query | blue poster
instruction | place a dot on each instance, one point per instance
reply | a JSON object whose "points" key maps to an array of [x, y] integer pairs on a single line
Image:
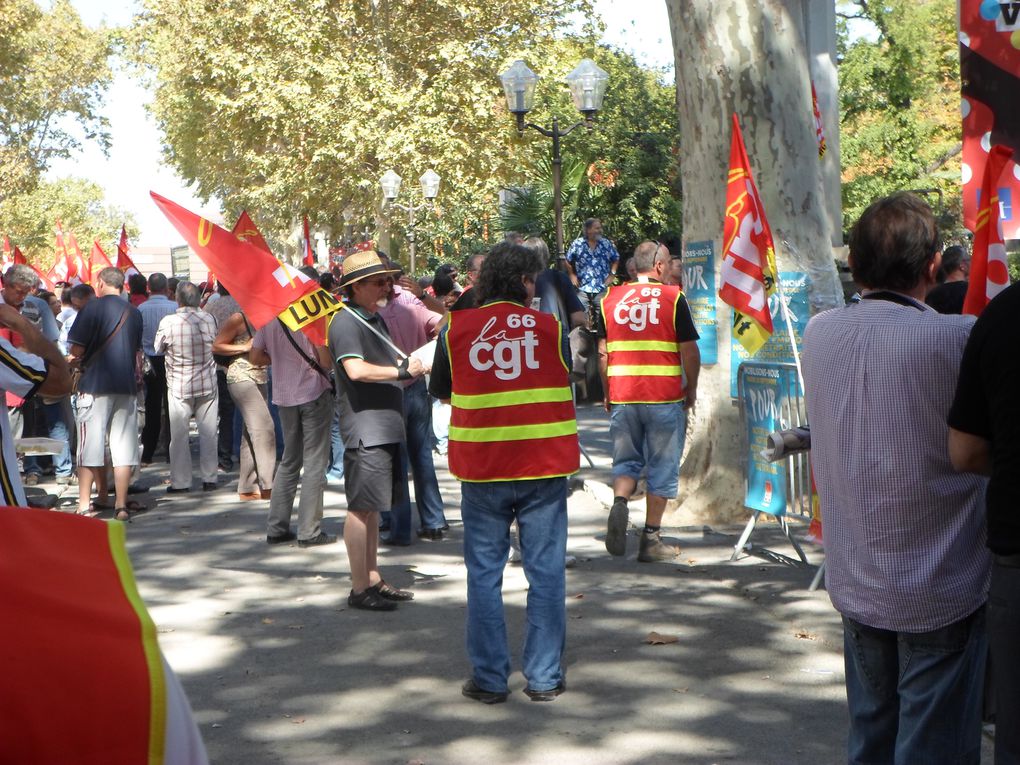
{"points": [[699, 288], [777, 349], [764, 394]]}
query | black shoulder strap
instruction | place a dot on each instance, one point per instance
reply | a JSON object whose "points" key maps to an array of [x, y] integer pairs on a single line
{"points": [[311, 362], [106, 342]]}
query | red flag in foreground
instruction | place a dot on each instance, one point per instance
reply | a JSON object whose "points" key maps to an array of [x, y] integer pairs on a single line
{"points": [[748, 274], [264, 286], [124, 262], [246, 230], [309, 255], [988, 272]]}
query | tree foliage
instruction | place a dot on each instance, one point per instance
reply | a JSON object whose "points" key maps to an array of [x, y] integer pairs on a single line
{"points": [[285, 108], [899, 101], [53, 73]]}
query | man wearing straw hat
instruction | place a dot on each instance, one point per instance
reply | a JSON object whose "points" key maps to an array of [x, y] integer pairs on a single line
{"points": [[371, 422]]}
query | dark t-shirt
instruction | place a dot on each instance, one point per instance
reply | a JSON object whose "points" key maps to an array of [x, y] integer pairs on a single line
{"points": [[987, 405], [109, 371], [468, 299], [948, 297], [370, 413], [686, 332]]}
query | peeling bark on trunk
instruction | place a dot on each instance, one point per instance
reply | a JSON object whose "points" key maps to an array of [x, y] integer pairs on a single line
{"points": [[748, 58]]}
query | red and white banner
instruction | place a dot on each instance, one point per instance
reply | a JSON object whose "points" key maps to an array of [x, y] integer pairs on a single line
{"points": [[989, 273]]}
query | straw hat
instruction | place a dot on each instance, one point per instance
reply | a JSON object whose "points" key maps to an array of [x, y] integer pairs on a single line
{"points": [[358, 265]]}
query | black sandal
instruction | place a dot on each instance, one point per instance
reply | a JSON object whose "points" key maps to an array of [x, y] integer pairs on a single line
{"points": [[370, 600]]}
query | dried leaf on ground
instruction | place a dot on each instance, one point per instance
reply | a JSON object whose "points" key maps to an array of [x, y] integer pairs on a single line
{"points": [[267, 620], [578, 596], [804, 635], [654, 638]]}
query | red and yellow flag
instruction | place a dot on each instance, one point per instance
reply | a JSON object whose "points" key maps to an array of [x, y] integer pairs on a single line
{"points": [[246, 230], [819, 125], [99, 258], [8, 260], [79, 268], [748, 275], [309, 255], [989, 274], [61, 270], [264, 286], [124, 262]]}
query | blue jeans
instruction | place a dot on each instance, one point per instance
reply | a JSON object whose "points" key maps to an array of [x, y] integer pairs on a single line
{"points": [[915, 697], [487, 510], [416, 453], [335, 468], [649, 437], [56, 427]]}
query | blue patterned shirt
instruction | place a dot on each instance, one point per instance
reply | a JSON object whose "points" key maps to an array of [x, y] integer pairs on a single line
{"points": [[592, 266]]}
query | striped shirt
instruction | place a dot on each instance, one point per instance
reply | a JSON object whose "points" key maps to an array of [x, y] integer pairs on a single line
{"points": [[904, 532], [187, 337], [20, 373]]}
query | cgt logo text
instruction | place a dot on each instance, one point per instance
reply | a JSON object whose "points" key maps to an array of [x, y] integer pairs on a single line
{"points": [[633, 312], [508, 355]]}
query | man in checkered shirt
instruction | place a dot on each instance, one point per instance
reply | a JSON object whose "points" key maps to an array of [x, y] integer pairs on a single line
{"points": [[906, 563], [186, 336]]}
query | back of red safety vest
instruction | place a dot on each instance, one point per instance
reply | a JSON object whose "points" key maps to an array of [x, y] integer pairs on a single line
{"points": [[644, 355], [513, 412]]}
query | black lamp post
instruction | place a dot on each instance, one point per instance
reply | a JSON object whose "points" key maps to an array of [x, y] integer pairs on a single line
{"points": [[587, 85]]}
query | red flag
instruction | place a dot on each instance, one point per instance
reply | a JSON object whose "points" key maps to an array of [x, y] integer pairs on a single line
{"points": [[98, 257], [61, 270], [309, 256], [819, 125], [246, 230], [79, 264], [989, 274], [19, 258], [264, 286], [48, 282], [124, 262], [748, 274]]}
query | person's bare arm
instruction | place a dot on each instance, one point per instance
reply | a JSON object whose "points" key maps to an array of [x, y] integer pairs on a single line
{"points": [[224, 343], [690, 357], [970, 453], [604, 372], [433, 304], [360, 370], [258, 357], [322, 356], [58, 378]]}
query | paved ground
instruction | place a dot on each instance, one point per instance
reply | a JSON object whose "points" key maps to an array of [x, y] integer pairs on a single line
{"points": [[279, 670]]}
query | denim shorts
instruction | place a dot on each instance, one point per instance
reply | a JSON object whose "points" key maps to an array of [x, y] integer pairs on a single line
{"points": [[650, 438]]}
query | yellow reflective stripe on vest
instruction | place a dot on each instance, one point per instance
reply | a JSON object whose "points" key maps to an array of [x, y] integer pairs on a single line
{"points": [[513, 432], [646, 370], [642, 345], [511, 398]]}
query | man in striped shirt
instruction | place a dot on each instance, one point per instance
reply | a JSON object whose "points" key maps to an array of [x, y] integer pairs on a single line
{"points": [[906, 564]]}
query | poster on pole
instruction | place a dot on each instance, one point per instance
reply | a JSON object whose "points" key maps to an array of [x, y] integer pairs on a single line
{"points": [[699, 289], [764, 392], [778, 349]]}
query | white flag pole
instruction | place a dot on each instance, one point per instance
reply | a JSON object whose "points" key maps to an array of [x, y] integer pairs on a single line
{"points": [[789, 322]]}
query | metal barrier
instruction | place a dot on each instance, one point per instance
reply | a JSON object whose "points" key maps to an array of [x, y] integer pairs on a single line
{"points": [[789, 410]]}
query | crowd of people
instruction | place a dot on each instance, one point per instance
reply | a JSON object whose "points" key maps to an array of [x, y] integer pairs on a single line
{"points": [[909, 408]]}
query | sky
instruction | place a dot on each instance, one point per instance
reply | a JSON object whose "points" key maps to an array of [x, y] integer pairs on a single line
{"points": [[135, 166]]}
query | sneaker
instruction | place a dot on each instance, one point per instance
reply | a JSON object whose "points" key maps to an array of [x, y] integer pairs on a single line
{"points": [[548, 695], [515, 555], [31, 479], [279, 539], [654, 549], [182, 490], [569, 561], [472, 691], [370, 600], [430, 535], [322, 538], [67, 480], [616, 529], [209, 485]]}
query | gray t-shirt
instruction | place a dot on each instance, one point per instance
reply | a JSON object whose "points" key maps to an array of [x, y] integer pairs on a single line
{"points": [[370, 413]]}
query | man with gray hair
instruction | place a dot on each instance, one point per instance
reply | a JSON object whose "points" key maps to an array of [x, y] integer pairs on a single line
{"points": [[649, 359], [105, 343], [186, 337]]}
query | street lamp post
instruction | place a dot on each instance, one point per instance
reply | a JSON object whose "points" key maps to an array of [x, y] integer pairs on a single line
{"points": [[390, 183], [587, 85]]}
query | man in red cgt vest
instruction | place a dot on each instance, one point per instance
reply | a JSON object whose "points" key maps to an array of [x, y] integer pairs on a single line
{"points": [[513, 441], [649, 359]]}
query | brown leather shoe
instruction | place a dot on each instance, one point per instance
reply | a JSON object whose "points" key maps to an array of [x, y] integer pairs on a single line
{"points": [[248, 496], [266, 494]]}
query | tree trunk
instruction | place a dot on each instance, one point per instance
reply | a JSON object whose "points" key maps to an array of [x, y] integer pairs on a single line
{"points": [[748, 58]]}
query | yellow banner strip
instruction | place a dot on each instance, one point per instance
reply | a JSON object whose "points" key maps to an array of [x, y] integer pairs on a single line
{"points": [[309, 309]]}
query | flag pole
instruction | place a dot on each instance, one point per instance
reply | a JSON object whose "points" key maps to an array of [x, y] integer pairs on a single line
{"points": [[786, 316]]}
